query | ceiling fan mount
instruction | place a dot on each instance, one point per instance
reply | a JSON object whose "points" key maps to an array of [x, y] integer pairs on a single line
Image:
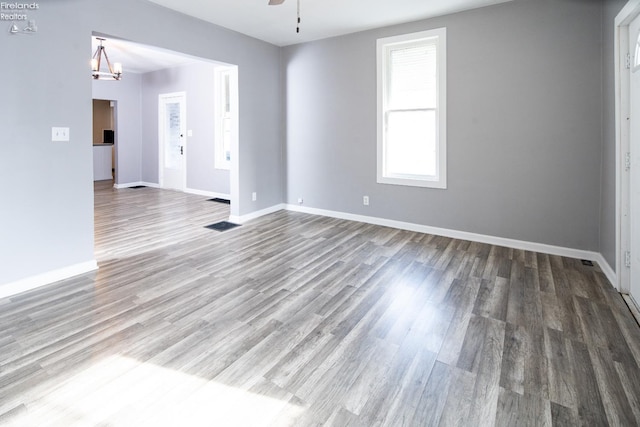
{"points": [[277, 2]]}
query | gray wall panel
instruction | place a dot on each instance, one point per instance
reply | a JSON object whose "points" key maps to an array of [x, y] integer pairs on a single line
{"points": [[524, 125], [197, 81], [127, 94], [47, 190], [530, 125]]}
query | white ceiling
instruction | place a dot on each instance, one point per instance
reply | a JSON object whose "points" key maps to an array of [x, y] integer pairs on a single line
{"points": [[277, 24], [320, 18], [139, 58]]}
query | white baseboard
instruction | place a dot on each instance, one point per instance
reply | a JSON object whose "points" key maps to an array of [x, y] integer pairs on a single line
{"points": [[150, 184], [186, 190], [134, 184], [257, 214], [455, 234], [607, 270], [633, 306], [463, 235], [44, 279], [207, 193]]}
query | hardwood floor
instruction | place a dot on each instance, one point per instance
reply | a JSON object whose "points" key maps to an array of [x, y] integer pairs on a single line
{"points": [[300, 320]]}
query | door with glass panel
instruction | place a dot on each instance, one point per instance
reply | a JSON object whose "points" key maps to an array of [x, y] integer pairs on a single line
{"points": [[634, 170], [172, 147]]}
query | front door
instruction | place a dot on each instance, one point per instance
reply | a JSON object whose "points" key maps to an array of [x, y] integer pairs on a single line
{"points": [[172, 119], [634, 170]]}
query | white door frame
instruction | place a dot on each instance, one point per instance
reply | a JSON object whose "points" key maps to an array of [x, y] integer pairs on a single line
{"points": [[161, 141], [622, 107], [234, 172]]}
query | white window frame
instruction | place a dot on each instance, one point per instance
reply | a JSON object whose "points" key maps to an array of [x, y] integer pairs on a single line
{"points": [[220, 162], [439, 180]]}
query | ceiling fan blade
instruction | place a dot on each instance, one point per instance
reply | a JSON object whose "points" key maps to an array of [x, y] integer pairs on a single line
{"points": [[275, 2]]}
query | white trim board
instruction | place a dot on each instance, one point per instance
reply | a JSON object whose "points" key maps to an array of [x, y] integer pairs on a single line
{"points": [[48, 278], [257, 214], [606, 269], [464, 235], [186, 190], [133, 184], [207, 193], [627, 13], [622, 113], [633, 306], [44, 279], [455, 234]]}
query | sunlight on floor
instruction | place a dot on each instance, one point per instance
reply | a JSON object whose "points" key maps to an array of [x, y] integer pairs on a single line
{"points": [[119, 391]]}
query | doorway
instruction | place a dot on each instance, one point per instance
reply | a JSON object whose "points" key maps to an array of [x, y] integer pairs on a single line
{"points": [[633, 257], [149, 72], [627, 81], [172, 142], [104, 138]]}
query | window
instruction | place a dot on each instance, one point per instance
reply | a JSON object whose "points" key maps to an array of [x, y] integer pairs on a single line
{"points": [[224, 119], [636, 56], [412, 109]]}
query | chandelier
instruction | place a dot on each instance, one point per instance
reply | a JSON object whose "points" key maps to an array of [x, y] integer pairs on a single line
{"points": [[115, 71]]}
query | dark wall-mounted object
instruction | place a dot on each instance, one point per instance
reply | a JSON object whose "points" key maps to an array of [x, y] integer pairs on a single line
{"points": [[108, 136]]}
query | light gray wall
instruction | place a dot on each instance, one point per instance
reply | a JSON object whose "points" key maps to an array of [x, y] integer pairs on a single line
{"points": [[127, 94], [198, 83], [525, 139], [260, 117], [608, 184], [46, 220], [46, 188], [524, 124]]}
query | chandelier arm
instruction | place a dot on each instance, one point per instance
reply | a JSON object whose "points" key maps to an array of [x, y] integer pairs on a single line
{"points": [[97, 60], [108, 62], [95, 63], [100, 57]]}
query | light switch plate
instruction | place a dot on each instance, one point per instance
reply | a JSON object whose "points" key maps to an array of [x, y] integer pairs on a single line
{"points": [[59, 134]]}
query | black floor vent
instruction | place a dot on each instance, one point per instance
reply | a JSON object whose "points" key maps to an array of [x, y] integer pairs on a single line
{"points": [[219, 200], [222, 226]]}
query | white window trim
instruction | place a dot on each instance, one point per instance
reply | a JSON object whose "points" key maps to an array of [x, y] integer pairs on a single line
{"points": [[440, 180], [219, 159]]}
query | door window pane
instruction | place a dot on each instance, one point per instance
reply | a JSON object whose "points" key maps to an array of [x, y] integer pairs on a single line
{"points": [[172, 149]]}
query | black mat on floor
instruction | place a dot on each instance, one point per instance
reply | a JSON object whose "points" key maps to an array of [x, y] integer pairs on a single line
{"points": [[219, 200], [222, 226], [139, 186]]}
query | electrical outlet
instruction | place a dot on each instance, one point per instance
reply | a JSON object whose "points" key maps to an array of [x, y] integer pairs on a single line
{"points": [[254, 196], [365, 200], [300, 201], [59, 134]]}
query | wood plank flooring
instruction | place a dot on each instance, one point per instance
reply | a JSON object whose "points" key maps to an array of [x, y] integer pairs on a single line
{"points": [[301, 320]]}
